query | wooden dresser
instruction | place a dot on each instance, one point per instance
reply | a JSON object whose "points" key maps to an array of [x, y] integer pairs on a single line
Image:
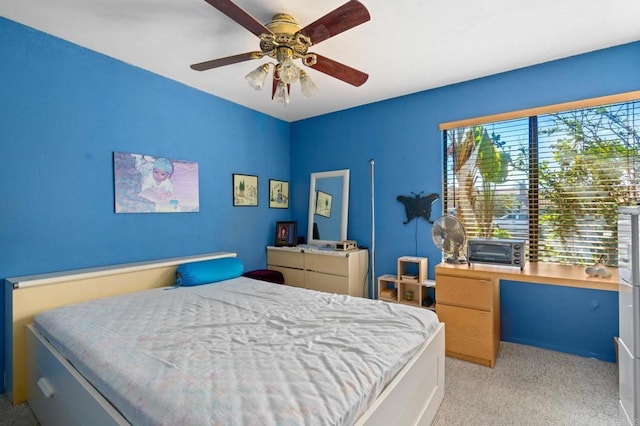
{"points": [[328, 271], [470, 308]]}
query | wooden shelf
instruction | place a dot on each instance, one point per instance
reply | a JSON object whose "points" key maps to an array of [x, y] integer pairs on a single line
{"points": [[408, 291]]}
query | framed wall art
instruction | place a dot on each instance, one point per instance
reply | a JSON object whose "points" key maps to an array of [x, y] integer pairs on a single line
{"points": [[286, 234], [148, 184], [323, 204], [278, 194], [245, 190]]}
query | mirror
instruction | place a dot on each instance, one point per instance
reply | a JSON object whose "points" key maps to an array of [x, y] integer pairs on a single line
{"points": [[328, 207]]}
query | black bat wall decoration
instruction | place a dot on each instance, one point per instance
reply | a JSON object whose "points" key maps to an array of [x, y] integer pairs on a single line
{"points": [[418, 206]]}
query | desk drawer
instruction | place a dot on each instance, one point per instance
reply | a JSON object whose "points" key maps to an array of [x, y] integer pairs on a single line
{"points": [[468, 331], [475, 293]]}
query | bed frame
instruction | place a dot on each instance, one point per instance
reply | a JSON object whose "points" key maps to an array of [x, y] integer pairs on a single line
{"points": [[59, 395]]}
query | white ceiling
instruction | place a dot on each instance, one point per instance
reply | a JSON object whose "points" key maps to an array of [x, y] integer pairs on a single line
{"points": [[406, 47]]}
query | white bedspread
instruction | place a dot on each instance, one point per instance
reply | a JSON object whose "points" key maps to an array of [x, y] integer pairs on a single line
{"points": [[239, 352]]}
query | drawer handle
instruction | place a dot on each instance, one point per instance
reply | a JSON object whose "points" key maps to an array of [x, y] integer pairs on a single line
{"points": [[45, 387]]}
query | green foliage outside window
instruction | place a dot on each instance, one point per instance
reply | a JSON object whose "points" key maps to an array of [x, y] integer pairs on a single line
{"points": [[569, 172]]}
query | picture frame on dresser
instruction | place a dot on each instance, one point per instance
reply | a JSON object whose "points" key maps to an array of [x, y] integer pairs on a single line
{"points": [[286, 233]]}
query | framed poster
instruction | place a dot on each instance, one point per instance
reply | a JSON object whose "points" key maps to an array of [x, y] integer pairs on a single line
{"points": [[286, 234], [278, 194], [148, 184], [323, 204], [245, 190]]}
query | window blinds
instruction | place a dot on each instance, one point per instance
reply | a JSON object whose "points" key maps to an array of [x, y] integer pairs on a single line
{"points": [[555, 180]]}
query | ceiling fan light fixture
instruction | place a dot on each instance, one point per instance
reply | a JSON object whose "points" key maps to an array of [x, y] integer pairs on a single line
{"points": [[307, 86], [282, 93], [289, 72], [285, 41], [257, 77]]}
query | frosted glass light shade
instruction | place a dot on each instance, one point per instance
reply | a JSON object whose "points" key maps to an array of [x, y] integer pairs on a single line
{"points": [[282, 94], [256, 77], [307, 86], [289, 72]]}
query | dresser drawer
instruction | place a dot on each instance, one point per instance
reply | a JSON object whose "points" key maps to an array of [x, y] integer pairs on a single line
{"points": [[328, 264], [476, 293], [468, 331], [286, 258], [326, 283], [293, 277], [332, 272]]}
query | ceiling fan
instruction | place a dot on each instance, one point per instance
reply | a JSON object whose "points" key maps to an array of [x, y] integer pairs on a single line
{"points": [[284, 40]]}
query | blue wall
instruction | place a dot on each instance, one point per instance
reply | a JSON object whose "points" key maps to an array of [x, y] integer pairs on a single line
{"points": [[579, 321], [402, 136], [65, 109]]}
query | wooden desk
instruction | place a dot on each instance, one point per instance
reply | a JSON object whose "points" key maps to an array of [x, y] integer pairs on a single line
{"points": [[468, 301], [540, 273]]}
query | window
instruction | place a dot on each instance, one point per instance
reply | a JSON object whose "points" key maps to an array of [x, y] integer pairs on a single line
{"points": [[555, 179]]}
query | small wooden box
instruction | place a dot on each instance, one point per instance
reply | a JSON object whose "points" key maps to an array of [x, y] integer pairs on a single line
{"points": [[389, 293]]}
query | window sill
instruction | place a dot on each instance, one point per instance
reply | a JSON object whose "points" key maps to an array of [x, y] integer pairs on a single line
{"points": [[539, 273]]}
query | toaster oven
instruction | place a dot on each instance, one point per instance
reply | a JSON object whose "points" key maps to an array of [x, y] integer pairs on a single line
{"points": [[496, 251]]}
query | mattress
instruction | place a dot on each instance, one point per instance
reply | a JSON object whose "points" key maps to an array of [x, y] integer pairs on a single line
{"points": [[237, 352]]}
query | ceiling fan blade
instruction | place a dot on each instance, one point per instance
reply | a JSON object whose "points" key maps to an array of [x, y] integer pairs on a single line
{"points": [[215, 63], [347, 16], [234, 12], [339, 71]]}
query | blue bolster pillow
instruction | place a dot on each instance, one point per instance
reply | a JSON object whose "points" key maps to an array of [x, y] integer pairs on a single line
{"points": [[208, 271]]}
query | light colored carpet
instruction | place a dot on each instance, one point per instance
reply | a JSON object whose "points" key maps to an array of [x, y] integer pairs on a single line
{"points": [[528, 386], [15, 415]]}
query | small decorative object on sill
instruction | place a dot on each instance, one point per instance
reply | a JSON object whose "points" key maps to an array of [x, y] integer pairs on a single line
{"points": [[598, 269]]}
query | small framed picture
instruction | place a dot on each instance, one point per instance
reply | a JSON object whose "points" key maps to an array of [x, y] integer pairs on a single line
{"points": [[278, 194], [286, 234], [245, 190], [323, 204]]}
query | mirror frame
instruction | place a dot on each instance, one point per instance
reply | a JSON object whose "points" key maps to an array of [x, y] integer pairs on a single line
{"points": [[312, 203]]}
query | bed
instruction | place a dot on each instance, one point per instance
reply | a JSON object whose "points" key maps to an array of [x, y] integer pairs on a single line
{"points": [[236, 351]]}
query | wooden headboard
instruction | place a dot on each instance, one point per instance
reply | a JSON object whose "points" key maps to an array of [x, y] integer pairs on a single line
{"points": [[26, 296]]}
